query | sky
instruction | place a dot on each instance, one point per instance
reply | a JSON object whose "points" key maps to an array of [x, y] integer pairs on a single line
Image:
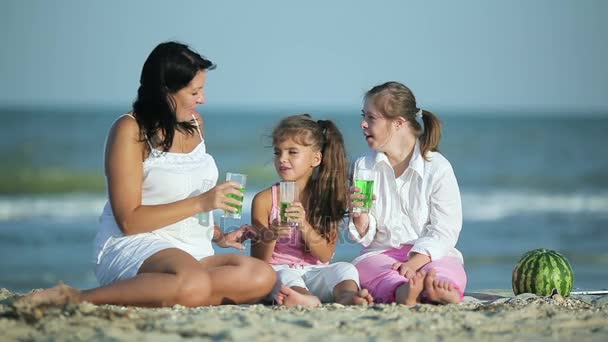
{"points": [[479, 54]]}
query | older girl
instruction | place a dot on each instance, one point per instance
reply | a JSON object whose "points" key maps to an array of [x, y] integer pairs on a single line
{"points": [[409, 236]]}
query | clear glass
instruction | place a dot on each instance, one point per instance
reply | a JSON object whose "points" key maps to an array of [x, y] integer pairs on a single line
{"points": [[242, 180], [203, 218], [364, 180], [289, 195]]}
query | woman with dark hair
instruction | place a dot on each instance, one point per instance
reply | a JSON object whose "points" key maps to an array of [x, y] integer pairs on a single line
{"points": [[150, 249]]}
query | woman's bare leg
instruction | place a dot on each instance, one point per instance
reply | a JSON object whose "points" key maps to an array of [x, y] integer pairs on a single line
{"points": [[238, 279], [168, 277]]}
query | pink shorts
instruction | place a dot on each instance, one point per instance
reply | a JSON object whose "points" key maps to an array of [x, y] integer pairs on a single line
{"points": [[376, 275]]}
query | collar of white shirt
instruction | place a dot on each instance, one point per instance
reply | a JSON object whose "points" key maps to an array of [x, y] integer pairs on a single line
{"points": [[416, 163]]}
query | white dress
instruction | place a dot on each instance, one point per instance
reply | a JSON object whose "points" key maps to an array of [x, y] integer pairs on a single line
{"points": [[167, 177]]}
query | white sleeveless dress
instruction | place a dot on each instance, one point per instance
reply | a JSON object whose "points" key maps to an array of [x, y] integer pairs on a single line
{"points": [[167, 177]]}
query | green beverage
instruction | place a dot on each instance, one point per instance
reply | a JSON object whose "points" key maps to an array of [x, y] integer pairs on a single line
{"points": [[239, 207], [241, 179], [289, 195], [367, 190], [284, 206]]}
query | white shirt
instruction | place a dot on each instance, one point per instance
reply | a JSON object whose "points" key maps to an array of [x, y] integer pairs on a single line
{"points": [[421, 207]]}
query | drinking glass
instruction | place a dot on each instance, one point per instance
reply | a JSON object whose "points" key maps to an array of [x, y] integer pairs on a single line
{"points": [[289, 195], [364, 180], [242, 180], [203, 218]]}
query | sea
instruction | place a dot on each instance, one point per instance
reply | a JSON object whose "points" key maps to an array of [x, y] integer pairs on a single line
{"points": [[528, 179]]}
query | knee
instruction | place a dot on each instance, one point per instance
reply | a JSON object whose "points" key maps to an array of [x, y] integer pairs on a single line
{"points": [[193, 289], [263, 275], [346, 270], [260, 275], [345, 266]]}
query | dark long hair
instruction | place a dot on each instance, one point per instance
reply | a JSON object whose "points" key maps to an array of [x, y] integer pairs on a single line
{"points": [[393, 100], [327, 190], [169, 67]]}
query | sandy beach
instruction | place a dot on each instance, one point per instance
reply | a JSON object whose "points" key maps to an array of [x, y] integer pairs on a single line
{"points": [[486, 315]]}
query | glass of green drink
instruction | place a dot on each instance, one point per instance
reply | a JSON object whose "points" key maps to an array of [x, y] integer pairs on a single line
{"points": [[364, 180], [242, 180], [289, 194]]}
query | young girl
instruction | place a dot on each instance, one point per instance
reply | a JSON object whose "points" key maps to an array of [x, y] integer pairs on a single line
{"points": [[410, 233], [311, 154]]}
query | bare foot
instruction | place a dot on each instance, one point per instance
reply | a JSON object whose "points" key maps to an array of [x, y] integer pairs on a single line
{"points": [[440, 291], [409, 293], [290, 298], [361, 297], [55, 296]]}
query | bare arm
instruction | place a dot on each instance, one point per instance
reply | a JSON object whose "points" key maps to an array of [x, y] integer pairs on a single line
{"points": [[124, 157], [317, 245], [263, 246]]}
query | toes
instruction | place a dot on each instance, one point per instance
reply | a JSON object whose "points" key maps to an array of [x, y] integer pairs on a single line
{"points": [[285, 290]]}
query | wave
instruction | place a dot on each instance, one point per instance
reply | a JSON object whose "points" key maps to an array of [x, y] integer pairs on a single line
{"points": [[477, 205], [496, 205]]}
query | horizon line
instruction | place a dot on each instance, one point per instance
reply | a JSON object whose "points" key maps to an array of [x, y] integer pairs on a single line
{"points": [[271, 109]]}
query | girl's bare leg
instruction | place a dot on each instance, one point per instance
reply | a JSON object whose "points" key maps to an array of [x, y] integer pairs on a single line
{"points": [[238, 279], [168, 277], [347, 292]]}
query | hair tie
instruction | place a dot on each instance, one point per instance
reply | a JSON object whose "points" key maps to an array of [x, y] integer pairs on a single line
{"points": [[419, 113], [322, 123]]}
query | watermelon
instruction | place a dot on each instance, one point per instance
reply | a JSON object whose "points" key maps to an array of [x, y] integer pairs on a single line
{"points": [[541, 271]]}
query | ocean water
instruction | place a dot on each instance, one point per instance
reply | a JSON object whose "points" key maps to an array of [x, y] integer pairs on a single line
{"points": [[528, 180]]}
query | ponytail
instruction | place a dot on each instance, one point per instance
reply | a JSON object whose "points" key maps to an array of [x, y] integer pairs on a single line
{"points": [[430, 138], [327, 200]]}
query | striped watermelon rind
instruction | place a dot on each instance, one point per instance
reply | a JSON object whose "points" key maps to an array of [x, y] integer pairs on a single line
{"points": [[541, 271]]}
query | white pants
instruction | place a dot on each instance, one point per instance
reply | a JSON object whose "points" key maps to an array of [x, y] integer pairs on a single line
{"points": [[320, 280]]}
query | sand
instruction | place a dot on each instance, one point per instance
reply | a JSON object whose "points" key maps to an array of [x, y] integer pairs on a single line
{"points": [[491, 315]]}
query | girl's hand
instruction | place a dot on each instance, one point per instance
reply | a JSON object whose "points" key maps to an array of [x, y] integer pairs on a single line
{"points": [[233, 239], [361, 220], [296, 214], [404, 269], [276, 231], [356, 201], [217, 197]]}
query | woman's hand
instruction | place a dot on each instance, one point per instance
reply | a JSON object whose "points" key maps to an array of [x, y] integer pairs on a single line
{"points": [[217, 197], [233, 239]]}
